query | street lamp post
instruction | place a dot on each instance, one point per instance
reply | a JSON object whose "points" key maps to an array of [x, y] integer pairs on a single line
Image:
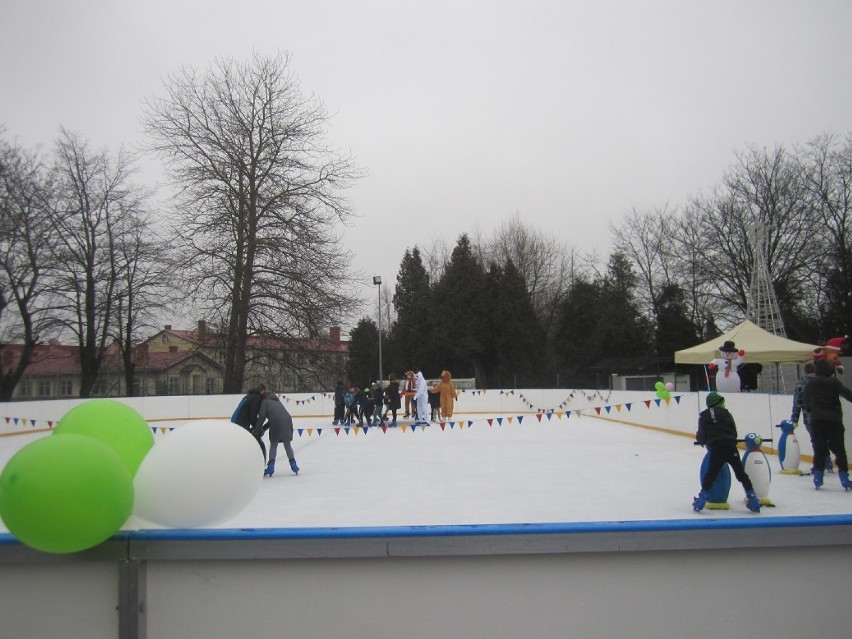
{"points": [[377, 281]]}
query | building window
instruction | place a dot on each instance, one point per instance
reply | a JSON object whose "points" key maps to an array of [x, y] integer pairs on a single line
{"points": [[66, 388], [99, 389], [173, 385], [211, 385], [45, 388], [25, 389]]}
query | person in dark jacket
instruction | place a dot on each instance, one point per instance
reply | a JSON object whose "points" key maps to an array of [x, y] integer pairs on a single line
{"points": [[821, 399], [253, 399], [392, 397], [339, 403], [365, 406], [278, 421], [377, 398], [718, 432]]}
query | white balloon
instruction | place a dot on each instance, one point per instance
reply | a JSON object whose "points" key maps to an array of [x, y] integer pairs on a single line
{"points": [[201, 473]]}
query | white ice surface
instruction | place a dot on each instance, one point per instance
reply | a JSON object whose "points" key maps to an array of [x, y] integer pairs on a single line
{"points": [[580, 469]]}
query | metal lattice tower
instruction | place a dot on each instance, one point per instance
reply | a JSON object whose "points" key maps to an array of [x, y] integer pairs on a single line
{"points": [[763, 306]]}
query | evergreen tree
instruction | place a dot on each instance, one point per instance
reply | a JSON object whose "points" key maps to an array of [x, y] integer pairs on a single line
{"points": [[674, 331], [461, 315], [363, 364], [410, 336], [517, 356]]}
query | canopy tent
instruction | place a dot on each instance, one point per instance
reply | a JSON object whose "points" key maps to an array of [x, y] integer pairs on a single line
{"points": [[760, 346]]}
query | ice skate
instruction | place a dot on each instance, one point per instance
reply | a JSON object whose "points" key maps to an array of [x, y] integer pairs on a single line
{"points": [[699, 502], [844, 480], [752, 502], [293, 466], [270, 469], [817, 478]]}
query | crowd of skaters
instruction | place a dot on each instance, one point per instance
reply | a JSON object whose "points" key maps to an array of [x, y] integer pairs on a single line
{"points": [[380, 403]]}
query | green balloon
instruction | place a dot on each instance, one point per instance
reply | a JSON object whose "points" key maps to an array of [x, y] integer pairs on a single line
{"points": [[65, 494], [115, 424]]}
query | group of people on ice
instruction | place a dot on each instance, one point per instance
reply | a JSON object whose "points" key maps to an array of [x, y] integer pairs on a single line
{"points": [[378, 403]]}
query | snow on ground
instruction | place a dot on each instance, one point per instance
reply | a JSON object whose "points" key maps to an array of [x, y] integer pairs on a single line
{"points": [[569, 470]]}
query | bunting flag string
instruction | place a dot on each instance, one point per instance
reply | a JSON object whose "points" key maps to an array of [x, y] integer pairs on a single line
{"points": [[510, 419], [559, 412]]}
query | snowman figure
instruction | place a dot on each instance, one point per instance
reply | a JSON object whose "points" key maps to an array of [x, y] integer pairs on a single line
{"points": [[725, 367]]}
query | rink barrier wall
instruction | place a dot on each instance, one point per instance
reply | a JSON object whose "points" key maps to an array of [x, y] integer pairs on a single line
{"points": [[750, 576]]}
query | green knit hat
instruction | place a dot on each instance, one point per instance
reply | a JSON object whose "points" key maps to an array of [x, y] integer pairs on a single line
{"points": [[714, 399]]}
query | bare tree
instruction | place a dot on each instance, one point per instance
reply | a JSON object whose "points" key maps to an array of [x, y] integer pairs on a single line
{"points": [[826, 164], [259, 202], [143, 289], [548, 265], [644, 237], [94, 206], [27, 250]]}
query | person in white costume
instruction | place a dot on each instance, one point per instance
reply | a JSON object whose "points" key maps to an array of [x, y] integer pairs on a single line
{"points": [[421, 398]]}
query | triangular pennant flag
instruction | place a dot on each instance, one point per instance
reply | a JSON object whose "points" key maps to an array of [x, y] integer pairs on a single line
{"points": [[648, 403], [300, 430], [608, 409], [443, 425], [628, 405], [404, 427], [538, 417], [677, 399], [499, 421], [413, 427], [598, 410], [310, 432], [490, 421], [337, 430], [319, 432], [509, 418], [7, 419], [346, 430], [16, 421], [470, 423], [657, 401], [384, 428], [50, 424], [520, 419], [668, 399], [618, 408], [461, 425]]}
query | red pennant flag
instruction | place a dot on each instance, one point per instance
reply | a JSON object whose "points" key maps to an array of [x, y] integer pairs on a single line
{"points": [[443, 425], [490, 422], [598, 410], [538, 417]]}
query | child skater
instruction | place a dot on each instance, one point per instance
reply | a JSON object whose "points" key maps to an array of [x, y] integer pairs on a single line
{"points": [[718, 431]]}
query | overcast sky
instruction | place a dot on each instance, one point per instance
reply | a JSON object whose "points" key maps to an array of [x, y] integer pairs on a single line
{"points": [[465, 113]]}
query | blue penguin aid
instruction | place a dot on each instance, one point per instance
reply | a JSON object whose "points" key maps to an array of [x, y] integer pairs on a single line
{"points": [[757, 468], [717, 498], [789, 453]]}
